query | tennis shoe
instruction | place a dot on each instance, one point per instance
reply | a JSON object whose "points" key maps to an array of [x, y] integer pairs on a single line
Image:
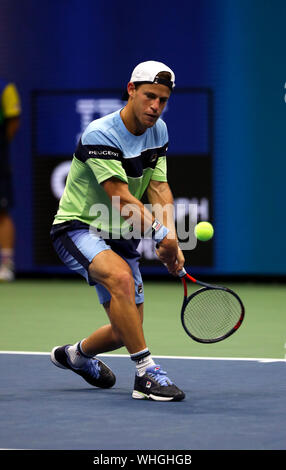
{"points": [[94, 371], [155, 385]]}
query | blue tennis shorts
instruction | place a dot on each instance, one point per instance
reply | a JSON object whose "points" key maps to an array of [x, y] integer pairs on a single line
{"points": [[77, 248]]}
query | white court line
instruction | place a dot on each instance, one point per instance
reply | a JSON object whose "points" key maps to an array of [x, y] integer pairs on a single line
{"points": [[257, 359]]}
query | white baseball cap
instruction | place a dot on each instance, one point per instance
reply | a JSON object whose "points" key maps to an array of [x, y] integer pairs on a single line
{"points": [[147, 72]]}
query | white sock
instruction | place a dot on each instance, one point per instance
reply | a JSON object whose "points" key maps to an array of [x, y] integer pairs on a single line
{"points": [[143, 360], [76, 356]]}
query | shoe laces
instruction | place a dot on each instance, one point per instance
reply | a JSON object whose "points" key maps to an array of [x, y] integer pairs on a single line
{"points": [[159, 375], [92, 367]]}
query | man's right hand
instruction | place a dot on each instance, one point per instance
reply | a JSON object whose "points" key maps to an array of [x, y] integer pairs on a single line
{"points": [[167, 253]]}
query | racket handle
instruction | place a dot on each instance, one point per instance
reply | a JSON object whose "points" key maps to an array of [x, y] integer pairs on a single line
{"points": [[182, 273]]}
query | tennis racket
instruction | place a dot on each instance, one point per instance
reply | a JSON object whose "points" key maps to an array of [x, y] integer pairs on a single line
{"points": [[212, 313]]}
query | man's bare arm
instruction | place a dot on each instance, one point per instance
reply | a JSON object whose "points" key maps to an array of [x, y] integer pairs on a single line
{"points": [[123, 199], [160, 194], [118, 191]]}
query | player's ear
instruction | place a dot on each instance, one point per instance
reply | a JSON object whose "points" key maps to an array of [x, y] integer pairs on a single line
{"points": [[131, 89]]}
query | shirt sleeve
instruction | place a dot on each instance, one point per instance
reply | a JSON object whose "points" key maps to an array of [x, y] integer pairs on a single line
{"points": [[103, 157], [160, 170], [11, 102], [105, 169]]}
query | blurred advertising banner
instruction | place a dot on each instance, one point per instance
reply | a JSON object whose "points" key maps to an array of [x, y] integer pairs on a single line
{"points": [[59, 118]]}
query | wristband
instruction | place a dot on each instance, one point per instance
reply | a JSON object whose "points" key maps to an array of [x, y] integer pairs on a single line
{"points": [[159, 231]]}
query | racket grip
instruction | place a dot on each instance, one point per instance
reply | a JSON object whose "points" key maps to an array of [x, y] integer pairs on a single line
{"points": [[182, 273]]}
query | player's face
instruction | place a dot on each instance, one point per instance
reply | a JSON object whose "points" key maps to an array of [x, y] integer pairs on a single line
{"points": [[149, 101]]}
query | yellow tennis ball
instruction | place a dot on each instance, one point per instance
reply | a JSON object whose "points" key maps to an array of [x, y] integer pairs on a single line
{"points": [[204, 231]]}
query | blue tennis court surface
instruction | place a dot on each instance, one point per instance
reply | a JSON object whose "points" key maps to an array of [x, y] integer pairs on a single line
{"points": [[230, 404]]}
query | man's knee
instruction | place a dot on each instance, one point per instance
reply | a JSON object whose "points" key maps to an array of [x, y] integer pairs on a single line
{"points": [[118, 278], [121, 282]]}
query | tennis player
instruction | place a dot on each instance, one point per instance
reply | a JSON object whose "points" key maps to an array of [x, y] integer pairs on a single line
{"points": [[118, 158]]}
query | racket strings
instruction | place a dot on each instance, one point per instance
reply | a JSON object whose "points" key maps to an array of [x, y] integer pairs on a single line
{"points": [[212, 313]]}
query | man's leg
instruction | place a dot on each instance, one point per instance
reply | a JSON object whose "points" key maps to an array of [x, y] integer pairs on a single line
{"points": [[114, 274], [105, 339], [110, 270], [7, 240], [7, 231]]}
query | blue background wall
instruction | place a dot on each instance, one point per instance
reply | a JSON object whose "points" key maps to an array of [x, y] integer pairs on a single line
{"points": [[235, 47]]}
